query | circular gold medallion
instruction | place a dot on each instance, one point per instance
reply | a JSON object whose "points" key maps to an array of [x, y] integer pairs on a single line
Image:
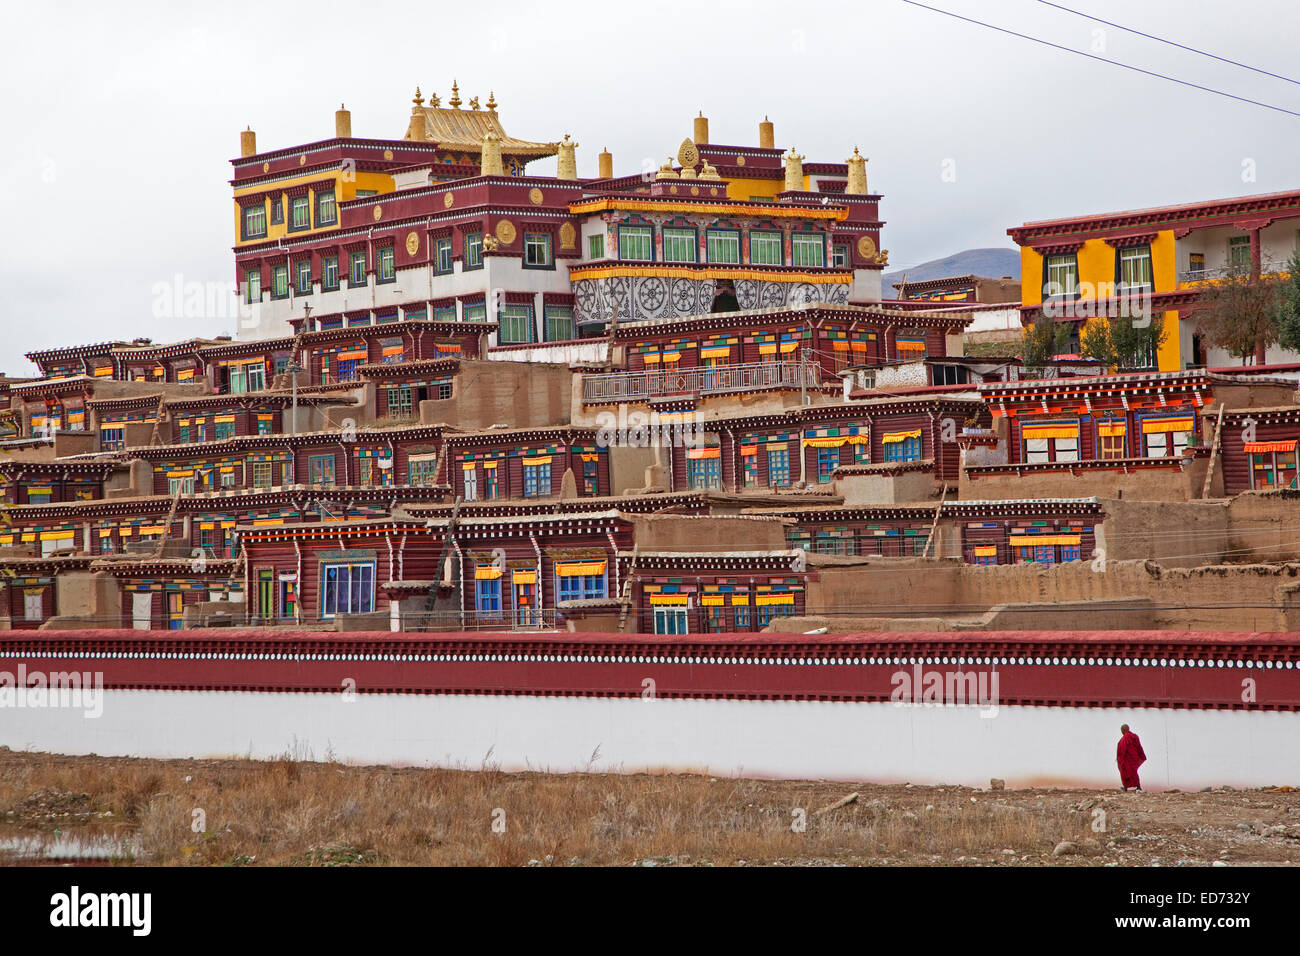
{"points": [[379, 212], [266, 167], [695, 190], [673, 190], [713, 191], [412, 243], [388, 154], [302, 160], [505, 232], [448, 199], [535, 196], [568, 236], [866, 248], [740, 160]]}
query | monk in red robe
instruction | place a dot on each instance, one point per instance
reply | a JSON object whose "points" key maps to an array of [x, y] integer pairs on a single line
{"points": [[1129, 755]]}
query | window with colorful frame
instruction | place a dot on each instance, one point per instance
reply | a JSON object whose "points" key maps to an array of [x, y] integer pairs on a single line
{"points": [[422, 470], [749, 465], [288, 596], [1272, 464], [681, 244], [399, 401], [636, 243], [1061, 274], [1133, 267], [280, 282], [487, 590], [320, 469], [765, 248], [347, 588], [491, 488], [277, 211], [1239, 253], [841, 255], [902, 445], [808, 249], [828, 459], [1112, 439], [862, 453], [469, 481], [1165, 436], [722, 246], [473, 251], [442, 255], [1049, 441], [537, 477], [1046, 547], [302, 277], [112, 438], [329, 273], [778, 465], [516, 324], [704, 468], [983, 554], [475, 312], [595, 247], [580, 580]]}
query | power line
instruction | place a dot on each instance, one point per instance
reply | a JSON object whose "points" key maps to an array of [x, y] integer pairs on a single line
{"points": [[1190, 49], [1102, 59]]}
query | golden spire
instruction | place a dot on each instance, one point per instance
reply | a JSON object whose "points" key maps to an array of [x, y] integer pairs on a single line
{"points": [[419, 100], [492, 102], [454, 102], [857, 183], [490, 163], [566, 162], [793, 171]]}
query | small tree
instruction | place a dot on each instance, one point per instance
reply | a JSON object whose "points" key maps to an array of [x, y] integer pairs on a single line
{"points": [[1239, 313], [1288, 306], [1124, 341], [1041, 341]]}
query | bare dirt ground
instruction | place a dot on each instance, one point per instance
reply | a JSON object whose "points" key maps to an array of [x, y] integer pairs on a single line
{"points": [[240, 812]]}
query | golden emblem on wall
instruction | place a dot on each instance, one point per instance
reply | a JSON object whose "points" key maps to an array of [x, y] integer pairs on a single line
{"points": [[695, 190], [266, 167], [740, 160], [505, 232], [448, 199], [379, 212], [673, 190], [302, 160], [713, 191], [535, 196], [388, 154], [412, 243], [687, 153], [866, 248], [568, 236]]}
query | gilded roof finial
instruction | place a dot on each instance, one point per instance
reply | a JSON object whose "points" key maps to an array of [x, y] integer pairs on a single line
{"points": [[473, 103], [454, 102], [434, 101], [419, 100], [492, 102]]}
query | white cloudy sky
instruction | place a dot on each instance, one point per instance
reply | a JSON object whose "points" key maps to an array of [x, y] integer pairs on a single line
{"points": [[120, 120]]}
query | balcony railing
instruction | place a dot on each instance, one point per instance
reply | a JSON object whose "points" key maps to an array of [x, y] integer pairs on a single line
{"points": [[1267, 266], [702, 380]]}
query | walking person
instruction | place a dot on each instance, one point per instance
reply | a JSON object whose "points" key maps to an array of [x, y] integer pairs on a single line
{"points": [[1129, 755]]}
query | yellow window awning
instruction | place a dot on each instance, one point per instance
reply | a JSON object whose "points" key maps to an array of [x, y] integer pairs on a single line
{"points": [[763, 600], [1112, 429], [768, 348], [717, 352], [486, 573], [1036, 540], [677, 600], [525, 576], [1054, 430], [1155, 425], [697, 453], [985, 550], [650, 358], [573, 569], [540, 460], [712, 600], [891, 437]]}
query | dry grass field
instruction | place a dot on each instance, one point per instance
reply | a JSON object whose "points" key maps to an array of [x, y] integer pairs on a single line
{"points": [[287, 812]]}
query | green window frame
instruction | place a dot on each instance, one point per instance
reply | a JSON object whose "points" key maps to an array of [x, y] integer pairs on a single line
{"points": [[422, 470], [329, 273], [442, 253], [280, 282], [841, 257], [723, 246], [765, 248], [1134, 267], [255, 221], [326, 208], [387, 265], [399, 401], [1239, 252], [253, 285], [299, 213], [559, 323], [636, 243], [1061, 273], [473, 250], [808, 250], [595, 247], [475, 311], [680, 244], [516, 324], [302, 277], [356, 269]]}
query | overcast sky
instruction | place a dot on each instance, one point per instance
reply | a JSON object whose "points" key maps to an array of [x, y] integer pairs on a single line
{"points": [[120, 120]]}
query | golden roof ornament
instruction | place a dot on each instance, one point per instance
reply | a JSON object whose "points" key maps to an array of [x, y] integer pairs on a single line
{"points": [[687, 153], [418, 100], [454, 102], [566, 162], [857, 184], [666, 171], [793, 171], [709, 171], [490, 163], [492, 102], [473, 103], [434, 101]]}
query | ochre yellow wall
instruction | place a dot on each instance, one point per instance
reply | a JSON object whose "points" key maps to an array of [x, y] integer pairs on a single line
{"points": [[743, 189], [343, 190]]}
